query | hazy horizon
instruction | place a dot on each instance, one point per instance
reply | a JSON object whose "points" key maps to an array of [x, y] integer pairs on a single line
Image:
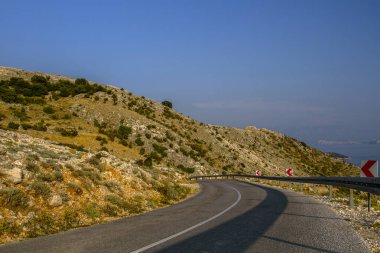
{"points": [[308, 69]]}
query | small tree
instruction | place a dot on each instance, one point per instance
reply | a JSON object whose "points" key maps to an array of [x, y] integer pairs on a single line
{"points": [[81, 81], [167, 104]]}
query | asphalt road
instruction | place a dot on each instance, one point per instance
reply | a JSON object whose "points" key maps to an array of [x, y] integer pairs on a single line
{"points": [[227, 216]]}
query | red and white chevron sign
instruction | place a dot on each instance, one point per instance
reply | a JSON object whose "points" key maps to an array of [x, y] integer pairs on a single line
{"points": [[289, 172], [369, 168], [258, 173]]}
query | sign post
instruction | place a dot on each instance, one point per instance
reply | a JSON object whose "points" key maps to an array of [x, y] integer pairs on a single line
{"points": [[289, 173], [370, 168]]}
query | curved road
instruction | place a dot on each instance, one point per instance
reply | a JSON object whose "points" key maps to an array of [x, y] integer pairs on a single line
{"points": [[227, 216]]}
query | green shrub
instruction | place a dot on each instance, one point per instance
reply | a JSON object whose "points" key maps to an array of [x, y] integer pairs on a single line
{"points": [[172, 191], [92, 211], [58, 176], [9, 227], [66, 116], [40, 79], [12, 125], [2, 116], [21, 114], [159, 149], [45, 177], [139, 142], [112, 186], [41, 224], [14, 198], [67, 132], [167, 104], [110, 210], [26, 126], [148, 162], [123, 132], [41, 189], [186, 169], [70, 219], [32, 167], [40, 126], [75, 188], [116, 200], [73, 146], [48, 110]]}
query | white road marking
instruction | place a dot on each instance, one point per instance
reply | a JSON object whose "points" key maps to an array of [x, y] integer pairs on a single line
{"points": [[191, 228]]}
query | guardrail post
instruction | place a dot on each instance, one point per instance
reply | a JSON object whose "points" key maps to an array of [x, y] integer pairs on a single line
{"points": [[301, 186], [290, 186], [369, 201], [351, 201], [314, 189], [330, 192]]}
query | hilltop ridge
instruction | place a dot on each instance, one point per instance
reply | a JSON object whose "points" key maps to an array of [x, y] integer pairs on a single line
{"points": [[160, 134]]}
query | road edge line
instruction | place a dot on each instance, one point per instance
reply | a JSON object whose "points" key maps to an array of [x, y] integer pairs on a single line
{"points": [[192, 227]]}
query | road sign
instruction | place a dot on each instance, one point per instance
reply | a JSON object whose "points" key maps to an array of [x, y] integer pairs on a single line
{"points": [[258, 173], [289, 172], [369, 168]]}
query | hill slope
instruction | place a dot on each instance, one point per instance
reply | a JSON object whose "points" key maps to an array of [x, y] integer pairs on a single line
{"points": [[153, 132], [103, 151]]}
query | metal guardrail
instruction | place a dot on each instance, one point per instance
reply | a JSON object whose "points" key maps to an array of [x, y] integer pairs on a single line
{"points": [[370, 185]]}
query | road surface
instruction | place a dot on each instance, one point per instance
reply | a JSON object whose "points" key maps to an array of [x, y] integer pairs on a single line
{"points": [[226, 216]]}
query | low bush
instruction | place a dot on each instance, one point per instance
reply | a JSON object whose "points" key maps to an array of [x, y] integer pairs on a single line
{"points": [[13, 125], [32, 167], [110, 210], [41, 189], [45, 177], [72, 132], [75, 188], [70, 219], [26, 126], [58, 176], [13, 198], [92, 211], [9, 227], [41, 224], [167, 104], [186, 169], [139, 142], [48, 110], [116, 200]]}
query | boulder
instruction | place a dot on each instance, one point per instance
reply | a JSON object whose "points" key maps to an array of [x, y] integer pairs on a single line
{"points": [[56, 200], [15, 175]]}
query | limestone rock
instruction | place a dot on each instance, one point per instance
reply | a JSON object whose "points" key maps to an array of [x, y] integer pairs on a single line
{"points": [[56, 200], [15, 175]]}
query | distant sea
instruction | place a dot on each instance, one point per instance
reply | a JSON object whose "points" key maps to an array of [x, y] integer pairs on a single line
{"points": [[355, 152]]}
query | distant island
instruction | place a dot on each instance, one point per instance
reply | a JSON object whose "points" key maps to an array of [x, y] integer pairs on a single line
{"points": [[337, 155], [376, 142]]}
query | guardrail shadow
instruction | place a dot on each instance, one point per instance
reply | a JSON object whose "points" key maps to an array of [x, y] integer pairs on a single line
{"points": [[238, 234]]}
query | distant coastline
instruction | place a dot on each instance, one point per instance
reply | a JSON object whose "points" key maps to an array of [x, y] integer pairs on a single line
{"points": [[337, 155], [353, 153]]}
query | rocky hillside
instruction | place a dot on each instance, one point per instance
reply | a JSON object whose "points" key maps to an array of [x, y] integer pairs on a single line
{"points": [[91, 151], [47, 187], [99, 117]]}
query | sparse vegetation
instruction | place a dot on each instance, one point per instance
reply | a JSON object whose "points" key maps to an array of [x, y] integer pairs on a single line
{"points": [[167, 104], [13, 198], [41, 189]]}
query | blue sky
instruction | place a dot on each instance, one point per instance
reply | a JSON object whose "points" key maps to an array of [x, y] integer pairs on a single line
{"points": [[307, 68]]}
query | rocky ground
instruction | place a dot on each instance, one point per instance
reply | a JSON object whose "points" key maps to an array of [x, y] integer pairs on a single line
{"points": [[367, 224], [46, 187]]}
